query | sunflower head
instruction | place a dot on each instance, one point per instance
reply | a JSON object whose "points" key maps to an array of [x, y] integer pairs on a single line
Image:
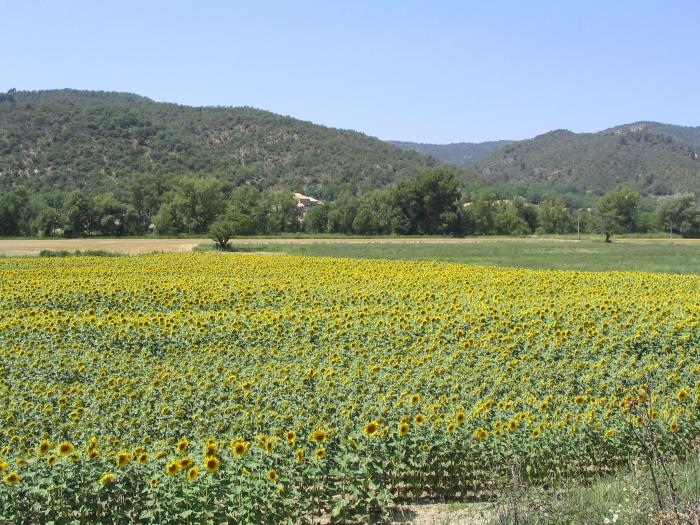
{"points": [[44, 447], [65, 448], [372, 428], [11, 479], [212, 463], [172, 468], [193, 473], [319, 436], [123, 458], [107, 478]]}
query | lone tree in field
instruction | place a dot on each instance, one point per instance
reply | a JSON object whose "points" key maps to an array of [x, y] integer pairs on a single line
{"points": [[616, 212], [221, 232]]}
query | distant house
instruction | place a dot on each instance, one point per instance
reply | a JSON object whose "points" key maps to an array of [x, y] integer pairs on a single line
{"points": [[305, 203]]}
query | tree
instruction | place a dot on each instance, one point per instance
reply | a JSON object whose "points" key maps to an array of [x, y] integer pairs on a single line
{"points": [[193, 204], [430, 201], [554, 217], [678, 213], [316, 219], [341, 214], [616, 212], [78, 216], [221, 232], [113, 217], [15, 211], [241, 223]]}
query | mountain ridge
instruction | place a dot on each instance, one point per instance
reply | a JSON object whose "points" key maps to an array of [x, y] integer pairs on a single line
{"points": [[69, 139]]}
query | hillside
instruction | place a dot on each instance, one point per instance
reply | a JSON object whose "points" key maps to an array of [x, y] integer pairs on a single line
{"points": [[561, 161], [687, 134], [66, 139], [459, 153]]}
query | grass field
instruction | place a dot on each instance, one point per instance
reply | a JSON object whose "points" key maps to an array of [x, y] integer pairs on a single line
{"points": [[645, 255], [557, 253]]}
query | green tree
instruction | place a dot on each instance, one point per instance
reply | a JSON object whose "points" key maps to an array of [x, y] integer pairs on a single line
{"points": [[192, 205], [679, 213], [616, 212], [554, 217], [78, 216], [316, 219], [113, 217], [221, 232], [430, 201], [15, 211]]}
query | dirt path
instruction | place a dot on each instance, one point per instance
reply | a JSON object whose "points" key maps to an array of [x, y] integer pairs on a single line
{"points": [[12, 247]]}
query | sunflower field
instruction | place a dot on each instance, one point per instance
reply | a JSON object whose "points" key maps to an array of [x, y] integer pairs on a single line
{"points": [[210, 388]]}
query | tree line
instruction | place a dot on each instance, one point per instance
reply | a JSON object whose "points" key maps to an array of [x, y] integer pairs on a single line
{"points": [[431, 203]]}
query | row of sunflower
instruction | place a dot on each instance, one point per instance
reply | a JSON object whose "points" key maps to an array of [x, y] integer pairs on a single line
{"points": [[255, 389]]}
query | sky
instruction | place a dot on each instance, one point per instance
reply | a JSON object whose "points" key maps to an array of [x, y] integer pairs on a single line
{"points": [[424, 71]]}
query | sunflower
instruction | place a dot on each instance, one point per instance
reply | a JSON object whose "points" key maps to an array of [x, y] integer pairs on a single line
{"points": [[513, 424], [212, 463], [123, 458], [143, 457], [211, 449], [419, 419], [185, 462], [299, 455], [11, 479], [415, 399], [319, 436], [580, 400], [682, 394], [674, 426], [193, 473], [481, 433], [93, 454], [372, 428], [321, 453], [610, 433], [451, 427], [65, 448], [172, 468], [182, 445], [272, 475], [291, 438], [107, 478], [51, 459], [44, 447], [154, 481], [403, 429], [460, 417], [240, 448], [161, 454]]}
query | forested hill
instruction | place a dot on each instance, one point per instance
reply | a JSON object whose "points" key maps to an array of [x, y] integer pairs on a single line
{"points": [[687, 134], [67, 139], [648, 158], [458, 153]]}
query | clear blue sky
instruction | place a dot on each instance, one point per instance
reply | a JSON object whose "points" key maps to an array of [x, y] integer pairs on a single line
{"points": [[422, 71]]}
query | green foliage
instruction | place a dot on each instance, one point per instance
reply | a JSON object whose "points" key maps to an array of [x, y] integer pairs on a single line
{"points": [[616, 212], [68, 139], [555, 217], [678, 213], [579, 166], [221, 232], [459, 153]]}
